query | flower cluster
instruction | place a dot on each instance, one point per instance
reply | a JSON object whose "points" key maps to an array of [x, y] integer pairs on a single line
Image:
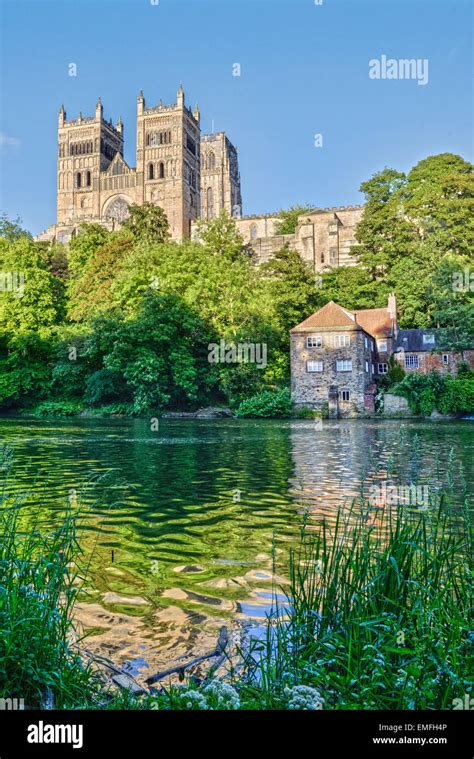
{"points": [[221, 695], [302, 697], [214, 695]]}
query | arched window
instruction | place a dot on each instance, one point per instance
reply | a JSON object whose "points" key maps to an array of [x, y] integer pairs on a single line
{"points": [[161, 170], [78, 179], [211, 161], [151, 171], [88, 178], [210, 203], [322, 258], [253, 232]]}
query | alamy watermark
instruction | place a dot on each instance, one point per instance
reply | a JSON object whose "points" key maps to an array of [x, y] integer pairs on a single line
{"points": [[463, 281], [401, 68], [384, 494], [12, 704], [12, 282], [238, 353]]}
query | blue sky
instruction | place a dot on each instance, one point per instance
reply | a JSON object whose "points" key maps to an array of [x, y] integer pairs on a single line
{"points": [[304, 71]]}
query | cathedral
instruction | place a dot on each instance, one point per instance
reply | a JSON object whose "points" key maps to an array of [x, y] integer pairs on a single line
{"points": [[190, 175]]}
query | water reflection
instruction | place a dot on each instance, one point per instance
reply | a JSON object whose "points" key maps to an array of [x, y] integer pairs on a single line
{"points": [[173, 552]]}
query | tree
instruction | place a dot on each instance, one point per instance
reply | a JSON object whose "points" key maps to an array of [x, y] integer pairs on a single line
{"points": [[147, 223], [84, 246], [32, 298], [383, 234], [288, 219], [12, 230], [221, 237], [92, 293]]}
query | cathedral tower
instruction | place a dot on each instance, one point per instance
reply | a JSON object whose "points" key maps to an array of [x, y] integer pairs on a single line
{"points": [[220, 179], [86, 146], [168, 161]]}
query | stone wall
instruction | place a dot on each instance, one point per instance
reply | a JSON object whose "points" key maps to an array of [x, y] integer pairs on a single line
{"points": [[395, 404], [313, 389]]}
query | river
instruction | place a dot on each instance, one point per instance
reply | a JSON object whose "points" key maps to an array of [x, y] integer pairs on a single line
{"points": [[182, 526]]}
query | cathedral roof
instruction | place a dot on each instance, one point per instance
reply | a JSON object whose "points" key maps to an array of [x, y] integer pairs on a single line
{"points": [[117, 166]]}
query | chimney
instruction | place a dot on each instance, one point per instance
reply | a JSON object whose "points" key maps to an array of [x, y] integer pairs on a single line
{"points": [[392, 312], [392, 306]]}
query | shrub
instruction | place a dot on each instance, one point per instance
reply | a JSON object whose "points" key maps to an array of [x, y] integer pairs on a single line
{"points": [[267, 404], [57, 408]]}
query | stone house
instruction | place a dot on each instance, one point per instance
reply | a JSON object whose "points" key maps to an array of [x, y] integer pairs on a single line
{"points": [[337, 355]]}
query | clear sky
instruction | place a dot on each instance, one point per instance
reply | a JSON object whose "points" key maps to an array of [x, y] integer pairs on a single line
{"points": [[304, 70]]}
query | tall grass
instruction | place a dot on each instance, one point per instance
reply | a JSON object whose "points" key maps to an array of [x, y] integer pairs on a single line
{"points": [[38, 587], [378, 617]]}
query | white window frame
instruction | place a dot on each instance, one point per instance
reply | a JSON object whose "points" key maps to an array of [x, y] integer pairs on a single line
{"points": [[445, 359], [341, 396], [344, 365], [429, 339], [318, 366], [381, 344], [318, 341], [412, 361], [382, 368], [341, 341]]}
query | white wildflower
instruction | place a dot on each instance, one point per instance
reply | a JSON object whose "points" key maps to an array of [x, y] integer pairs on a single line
{"points": [[221, 695], [302, 697]]}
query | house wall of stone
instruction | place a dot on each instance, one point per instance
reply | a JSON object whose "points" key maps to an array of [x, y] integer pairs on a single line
{"points": [[312, 388]]}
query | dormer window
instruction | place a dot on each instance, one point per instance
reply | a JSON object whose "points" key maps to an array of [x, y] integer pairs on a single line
{"points": [[428, 339]]}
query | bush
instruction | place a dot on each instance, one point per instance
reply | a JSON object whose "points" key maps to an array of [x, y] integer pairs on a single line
{"points": [[57, 408], [457, 395], [426, 392], [267, 404]]}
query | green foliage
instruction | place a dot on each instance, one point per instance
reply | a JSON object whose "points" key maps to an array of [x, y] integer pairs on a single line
{"points": [[221, 238], [267, 404], [288, 219], [147, 223], [376, 615], [39, 303], [84, 245], [457, 396], [11, 229], [416, 230], [91, 294], [57, 409], [426, 392]]}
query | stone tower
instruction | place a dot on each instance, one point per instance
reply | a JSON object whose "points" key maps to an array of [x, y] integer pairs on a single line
{"points": [[168, 161], [86, 146], [220, 179]]}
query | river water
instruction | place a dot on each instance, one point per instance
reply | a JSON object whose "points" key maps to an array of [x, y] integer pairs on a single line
{"points": [[187, 527]]}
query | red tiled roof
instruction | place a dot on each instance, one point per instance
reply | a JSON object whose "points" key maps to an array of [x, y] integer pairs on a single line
{"points": [[375, 321], [330, 315]]}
